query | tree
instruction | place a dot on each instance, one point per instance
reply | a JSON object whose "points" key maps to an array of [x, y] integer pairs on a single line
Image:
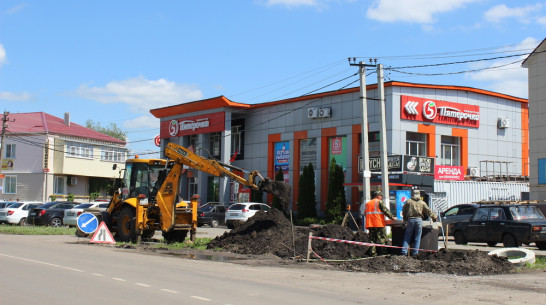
{"points": [[112, 130], [336, 202], [306, 196], [276, 202]]}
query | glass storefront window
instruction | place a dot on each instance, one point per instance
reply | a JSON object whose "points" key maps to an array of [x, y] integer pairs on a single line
{"points": [[416, 144]]}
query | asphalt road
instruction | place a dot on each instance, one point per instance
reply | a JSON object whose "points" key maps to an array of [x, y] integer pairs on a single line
{"points": [[59, 270]]}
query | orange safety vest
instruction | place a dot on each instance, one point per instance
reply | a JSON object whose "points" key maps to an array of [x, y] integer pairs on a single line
{"points": [[375, 218]]}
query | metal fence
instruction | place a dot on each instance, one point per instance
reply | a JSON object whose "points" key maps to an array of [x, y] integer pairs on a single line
{"points": [[449, 193]]}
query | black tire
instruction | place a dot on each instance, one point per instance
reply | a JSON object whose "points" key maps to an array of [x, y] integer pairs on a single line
{"points": [[126, 225], [491, 243], [459, 238], [175, 236], [56, 222], [214, 223], [509, 241], [541, 245], [23, 221], [230, 225]]}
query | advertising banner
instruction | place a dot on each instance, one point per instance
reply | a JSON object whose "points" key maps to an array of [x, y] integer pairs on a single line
{"points": [[441, 112], [282, 159], [212, 122], [338, 151], [445, 172]]}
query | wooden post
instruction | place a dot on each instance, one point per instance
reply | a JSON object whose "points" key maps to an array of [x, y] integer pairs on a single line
{"points": [[309, 249]]}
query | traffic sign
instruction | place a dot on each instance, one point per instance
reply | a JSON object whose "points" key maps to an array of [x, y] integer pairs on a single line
{"points": [[87, 223], [103, 235], [157, 141]]}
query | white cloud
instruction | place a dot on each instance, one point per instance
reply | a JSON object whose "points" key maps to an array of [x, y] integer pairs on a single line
{"points": [[148, 121], [418, 11], [498, 13], [542, 20], [2, 54], [141, 94], [10, 96], [510, 79]]}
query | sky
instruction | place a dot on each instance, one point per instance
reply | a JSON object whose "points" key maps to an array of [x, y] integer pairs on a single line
{"points": [[113, 61]]}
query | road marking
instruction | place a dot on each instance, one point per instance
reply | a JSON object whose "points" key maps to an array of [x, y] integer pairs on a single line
{"points": [[31, 260], [118, 279], [167, 290], [73, 269], [143, 285], [200, 298], [97, 274]]}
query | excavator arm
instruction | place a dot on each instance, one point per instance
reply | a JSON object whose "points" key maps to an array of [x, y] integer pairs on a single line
{"points": [[210, 166]]}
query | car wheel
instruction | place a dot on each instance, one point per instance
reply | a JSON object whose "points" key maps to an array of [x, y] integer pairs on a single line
{"points": [[459, 238], [214, 223], [491, 243], [56, 222], [23, 221], [509, 241], [230, 225], [541, 245], [126, 225]]}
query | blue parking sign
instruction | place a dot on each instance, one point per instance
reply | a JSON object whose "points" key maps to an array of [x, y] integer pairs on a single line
{"points": [[88, 223]]}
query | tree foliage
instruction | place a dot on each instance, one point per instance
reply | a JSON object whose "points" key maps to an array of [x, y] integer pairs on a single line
{"points": [[279, 176], [306, 196], [336, 202], [112, 130]]}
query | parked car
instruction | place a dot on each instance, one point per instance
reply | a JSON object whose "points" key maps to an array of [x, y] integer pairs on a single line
{"points": [[212, 215], [241, 212], [17, 212], [50, 213], [457, 213], [71, 215], [510, 224]]}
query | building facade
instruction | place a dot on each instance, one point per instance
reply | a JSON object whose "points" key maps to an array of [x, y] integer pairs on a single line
{"points": [[47, 156], [536, 66], [434, 132]]}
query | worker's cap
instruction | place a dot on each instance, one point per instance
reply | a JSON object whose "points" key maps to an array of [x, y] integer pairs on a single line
{"points": [[416, 192], [377, 193]]}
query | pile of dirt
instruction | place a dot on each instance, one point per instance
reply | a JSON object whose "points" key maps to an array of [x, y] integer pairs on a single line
{"points": [[272, 233]]}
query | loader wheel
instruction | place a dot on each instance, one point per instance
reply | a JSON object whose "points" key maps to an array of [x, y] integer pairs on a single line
{"points": [[175, 236], [126, 225]]}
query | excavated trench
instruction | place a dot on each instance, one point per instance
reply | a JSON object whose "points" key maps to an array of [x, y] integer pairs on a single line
{"points": [[271, 234]]}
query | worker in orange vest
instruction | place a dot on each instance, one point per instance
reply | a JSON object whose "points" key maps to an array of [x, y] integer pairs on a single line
{"points": [[375, 221]]}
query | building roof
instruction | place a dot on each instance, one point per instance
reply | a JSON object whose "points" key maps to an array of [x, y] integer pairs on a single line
{"points": [[535, 51], [43, 123], [222, 101]]}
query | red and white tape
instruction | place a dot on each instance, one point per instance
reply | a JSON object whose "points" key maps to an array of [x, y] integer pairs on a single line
{"points": [[363, 243]]}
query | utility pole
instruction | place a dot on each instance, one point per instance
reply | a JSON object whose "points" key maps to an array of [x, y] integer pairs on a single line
{"points": [[4, 127], [383, 138], [366, 174]]}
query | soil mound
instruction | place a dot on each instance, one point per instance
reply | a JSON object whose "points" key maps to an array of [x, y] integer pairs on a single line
{"points": [[272, 233]]}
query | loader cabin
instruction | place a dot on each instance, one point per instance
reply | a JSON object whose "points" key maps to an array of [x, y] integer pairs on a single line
{"points": [[143, 177]]}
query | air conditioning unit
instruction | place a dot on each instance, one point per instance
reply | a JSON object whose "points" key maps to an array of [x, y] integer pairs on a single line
{"points": [[325, 112], [503, 123], [73, 181], [312, 113], [474, 172]]}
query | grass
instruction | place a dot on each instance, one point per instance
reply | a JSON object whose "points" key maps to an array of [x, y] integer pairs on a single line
{"points": [[540, 264], [36, 230]]}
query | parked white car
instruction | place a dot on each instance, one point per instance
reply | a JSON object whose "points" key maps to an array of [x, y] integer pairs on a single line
{"points": [[70, 217], [241, 212], [17, 212]]}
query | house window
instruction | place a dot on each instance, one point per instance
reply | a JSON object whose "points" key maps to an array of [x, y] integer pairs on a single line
{"points": [[10, 185], [215, 144], [10, 151], [79, 150], [416, 144], [450, 151], [59, 186], [112, 154]]}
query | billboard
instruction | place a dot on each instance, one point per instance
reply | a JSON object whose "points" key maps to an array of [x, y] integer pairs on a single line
{"points": [[440, 112]]}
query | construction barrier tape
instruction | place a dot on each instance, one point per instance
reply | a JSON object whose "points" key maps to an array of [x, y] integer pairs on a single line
{"points": [[363, 243]]}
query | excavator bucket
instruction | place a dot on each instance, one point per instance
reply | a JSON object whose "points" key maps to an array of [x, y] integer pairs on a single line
{"points": [[278, 189]]}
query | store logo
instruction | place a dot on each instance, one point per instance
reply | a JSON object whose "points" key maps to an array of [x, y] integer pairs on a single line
{"points": [[173, 128], [429, 110]]}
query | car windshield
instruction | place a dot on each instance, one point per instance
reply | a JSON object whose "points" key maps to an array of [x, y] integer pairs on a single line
{"points": [[206, 208], [237, 207], [6, 204], [49, 204], [15, 205], [526, 212], [83, 206]]}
